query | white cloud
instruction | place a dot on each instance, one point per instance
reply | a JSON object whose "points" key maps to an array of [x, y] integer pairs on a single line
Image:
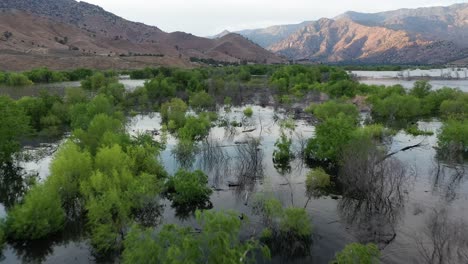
{"points": [[208, 17]]}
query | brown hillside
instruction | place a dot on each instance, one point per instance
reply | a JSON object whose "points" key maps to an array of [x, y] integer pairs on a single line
{"points": [[41, 31]]}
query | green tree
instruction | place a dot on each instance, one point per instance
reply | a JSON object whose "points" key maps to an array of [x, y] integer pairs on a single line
{"points": [[283, 226], [398, 107], [282, 154], [331, 109], [358, 254], [112, 194], [69, 168], [330, 137], [14, 125], [173, 113], [17, 79], [202, 101], [218, 242], [421, 89], [317, 182], [454, 136], [103, 131], [195, 128], [188, 187], [39, 214], [97, 81]]}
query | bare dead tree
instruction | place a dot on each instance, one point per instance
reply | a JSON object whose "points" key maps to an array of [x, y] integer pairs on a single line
{"points": [[249, 167], [374, 192]]}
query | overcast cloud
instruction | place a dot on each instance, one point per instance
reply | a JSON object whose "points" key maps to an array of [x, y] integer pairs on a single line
{"points": [[209, 17]]}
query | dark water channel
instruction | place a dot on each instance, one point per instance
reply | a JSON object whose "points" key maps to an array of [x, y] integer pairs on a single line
{"points": [[433, 193]]}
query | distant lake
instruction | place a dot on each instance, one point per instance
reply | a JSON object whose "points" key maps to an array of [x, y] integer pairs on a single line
{"points": [[459, 78]]}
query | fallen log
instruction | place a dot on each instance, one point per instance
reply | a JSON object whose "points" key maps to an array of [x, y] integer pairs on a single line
{"points": [[402, 150]]}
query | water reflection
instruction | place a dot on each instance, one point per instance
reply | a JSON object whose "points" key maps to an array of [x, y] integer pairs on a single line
{"points": [[39, 251], [14, 182], [375, 191], [447, 179], [248, 167], [444, 238]]}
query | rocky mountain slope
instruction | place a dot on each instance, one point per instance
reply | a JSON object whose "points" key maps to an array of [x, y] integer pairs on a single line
{"points": [[51, 32], [431, 35], [266, 37]]}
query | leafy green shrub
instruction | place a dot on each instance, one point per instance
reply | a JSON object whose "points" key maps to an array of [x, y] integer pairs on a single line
{"points": [[457, 108], [69, 168], [188, 187], [79, 74], [244, 75], [357, 253], [342, 88], [195, 128], [282, 153], [375, 132], [415, 131], [432, 102], [421, 89], [248, 112], [217, 242], [173, 113], [96, 81], [283, 227], [330, 137], [102, 131], [17, 79], [454, 136], [398, 107], [331, 109], [14, 124], [160, 89], [317, 182], [201, 101], [295, 221], [112, 194], [39, 215], [44, 75]]}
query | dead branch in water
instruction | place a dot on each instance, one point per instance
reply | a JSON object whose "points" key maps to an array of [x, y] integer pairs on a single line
{"points": [[249, 130], [402, 150]]}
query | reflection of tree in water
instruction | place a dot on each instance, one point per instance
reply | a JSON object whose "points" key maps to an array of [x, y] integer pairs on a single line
{"points": [[374, 192], [248, 167], [37, 251], [14, 183], [448, 174], [214, 160], [150, 213], [185, 153], [443, 239], [185, 211]]}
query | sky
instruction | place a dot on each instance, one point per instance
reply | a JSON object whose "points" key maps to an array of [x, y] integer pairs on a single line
{"points": [[210, 17]]}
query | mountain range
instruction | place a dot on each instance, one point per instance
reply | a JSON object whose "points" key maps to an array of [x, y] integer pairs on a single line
{"points": [[64, 34], [431, 35]]}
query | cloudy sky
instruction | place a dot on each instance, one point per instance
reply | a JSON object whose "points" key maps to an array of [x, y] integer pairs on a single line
{"points": [[209, 17]]}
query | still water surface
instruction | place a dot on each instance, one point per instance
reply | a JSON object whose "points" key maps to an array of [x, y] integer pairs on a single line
{"points": [[336, 220]]}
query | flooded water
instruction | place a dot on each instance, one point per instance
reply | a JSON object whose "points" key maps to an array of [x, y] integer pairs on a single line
{"points": [[439, 78], [446, 73], [400, 229], [57, 88]]}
